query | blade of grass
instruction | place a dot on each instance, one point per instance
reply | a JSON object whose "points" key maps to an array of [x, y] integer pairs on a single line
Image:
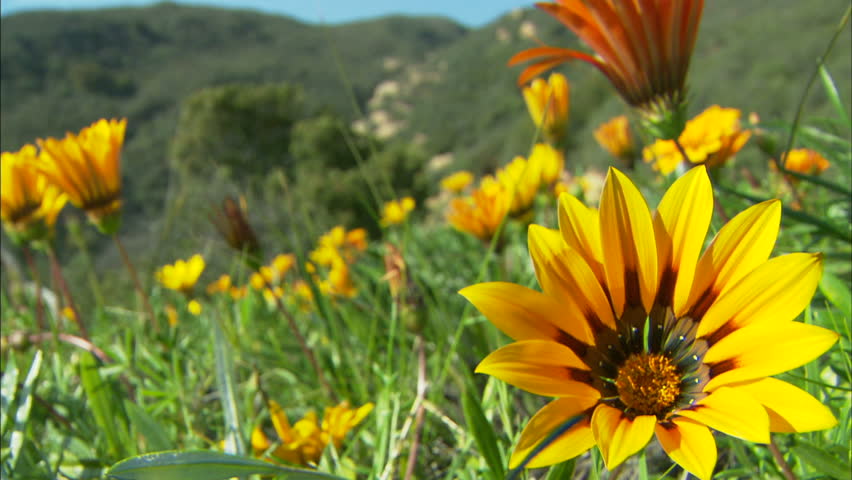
{"points": [[203, 466], [8, 387], [22, 415], [483, 434], [225, 381], [834, 95], [100, 395]]}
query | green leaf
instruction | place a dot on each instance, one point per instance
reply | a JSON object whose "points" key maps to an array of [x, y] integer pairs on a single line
{"points": [[203, 466], [561, 470], [225, 381], [8, 387], [484, 435], [156, 437], [102, 401], [834, 95], [822, 461], [836, 291], [23, 413]]}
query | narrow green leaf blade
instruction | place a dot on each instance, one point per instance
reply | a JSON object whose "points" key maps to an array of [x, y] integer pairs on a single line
{"points": [[823, 462], [837, 293], [203, 466], [23, 413], [834, 95], [225, 381], [101, 402], [156, 437], [484, 435], [8, 387]]}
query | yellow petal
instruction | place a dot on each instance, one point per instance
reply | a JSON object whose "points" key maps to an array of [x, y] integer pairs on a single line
{"points": [[790, 408], [617, 436], [280, 422], [741, 245], [690, 445], [580, 228], [520, 312], [542, 367], [766, 349], [576, 440], [563, 273], [776, 291], [627, 238], [681, 224], [732, 412]]}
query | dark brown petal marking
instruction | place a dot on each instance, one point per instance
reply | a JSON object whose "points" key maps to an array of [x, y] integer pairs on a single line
{"points": [[665, 294], [580, 375], [595, 322], [575, 345], [705, 301], [720, 333], [632, 292], [719, 368]]}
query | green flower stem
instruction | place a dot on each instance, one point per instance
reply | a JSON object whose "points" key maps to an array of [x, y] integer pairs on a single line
{"points": [[39, 308], [136, 283], [779, 459], [77, 237], [66, 292]]}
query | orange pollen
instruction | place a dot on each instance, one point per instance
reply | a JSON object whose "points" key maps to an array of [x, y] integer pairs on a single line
{"points": [[648, 384]]}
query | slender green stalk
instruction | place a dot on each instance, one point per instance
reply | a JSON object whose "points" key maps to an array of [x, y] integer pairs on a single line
{"points": [[39, 308], [136, 283], [779, 459], [79, 240], [66, 292], [420, 412]]}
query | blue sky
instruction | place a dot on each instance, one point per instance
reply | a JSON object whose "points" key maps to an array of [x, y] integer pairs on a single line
{"points": [[471, 13]]}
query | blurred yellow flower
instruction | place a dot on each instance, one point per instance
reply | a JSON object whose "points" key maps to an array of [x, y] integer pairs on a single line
{"points": [[357, 239], [271, 294], [303, 297], [338, 243], [483, 212], [87, 167], [221, 285], [68, 313], [303, 442], [194, 307], [340, 281], [549, 162], [29, 205], [711, 138], [457, 182], [183, 275], [238, 293], [806, 161], [615, 137], [548, 104], [521, 179], [396, 211], [172, 315]]}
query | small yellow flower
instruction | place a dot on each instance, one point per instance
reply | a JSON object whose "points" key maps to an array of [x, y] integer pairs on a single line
{"points": [[357, 239], [68, 313], [550, 163], [396, 211], [615, 137], [29, 205], [87, 167], [238, 293], [172, 315], [340, 281], [457, 182], [194, 307], [521, 179], [222, 284], [282, 263], [548, 104], [805, 160], [183, 275], [711, 138], [483, 212], [303, 442]]}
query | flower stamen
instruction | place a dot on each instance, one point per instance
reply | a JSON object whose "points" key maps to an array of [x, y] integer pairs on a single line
{"points": [[648, 384]]}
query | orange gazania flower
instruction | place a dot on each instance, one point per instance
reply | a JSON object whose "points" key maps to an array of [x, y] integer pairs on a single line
{"points": [[548, 104], [87, 167], [29, 205], [805, 160], [636, 334], [614, 136], [482, 213], [643, 48]]}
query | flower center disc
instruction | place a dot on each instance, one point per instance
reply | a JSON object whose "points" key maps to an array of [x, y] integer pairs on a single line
{"points": [[648, 384]]}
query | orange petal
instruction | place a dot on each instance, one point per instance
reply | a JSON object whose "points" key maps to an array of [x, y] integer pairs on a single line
{"points": [[580, 228], [681, 224], [627, 237], [564, 274], [542, 367], [617, 436], [733, 412], [576, 440], [741, 245], [776, 291], [690, 444], [765, 349], [790, 408], [520, 312]]}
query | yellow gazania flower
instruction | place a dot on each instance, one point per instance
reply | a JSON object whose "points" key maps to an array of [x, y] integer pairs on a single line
{"points": [[483, 212], [29, 205], [615, 137], [643, 48], [338, 243], [457, 182], [805, 160], [340, 281], [194, 307], [522, 179], [550, 162], [87, 167], [711, 138], [636, 335], [221, 285], [238, 293], [548, 104], [357, 239], [183, 275], [302, 296], [396, 211], [304, 442]]}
